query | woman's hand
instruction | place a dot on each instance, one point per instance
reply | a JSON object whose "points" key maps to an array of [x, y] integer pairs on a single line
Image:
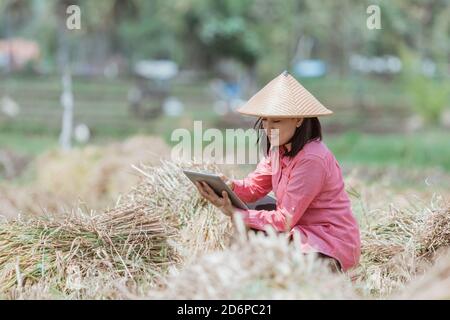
{"points": [[223, 203]]}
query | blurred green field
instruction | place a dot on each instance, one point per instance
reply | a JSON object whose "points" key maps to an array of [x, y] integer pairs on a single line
{"points": [[427, 149], [366, 127], [102, 104]]}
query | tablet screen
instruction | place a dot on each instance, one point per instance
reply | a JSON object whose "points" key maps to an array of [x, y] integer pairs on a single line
{"points": [[217, 184]]}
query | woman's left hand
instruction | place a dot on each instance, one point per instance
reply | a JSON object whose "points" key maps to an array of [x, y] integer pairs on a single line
{"points": [[223, 203]]}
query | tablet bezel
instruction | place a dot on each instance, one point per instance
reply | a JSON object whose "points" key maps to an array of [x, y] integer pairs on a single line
{"points": [[217, 184]]}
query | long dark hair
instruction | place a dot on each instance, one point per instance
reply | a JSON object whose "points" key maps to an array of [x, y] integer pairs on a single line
{"points": [[310, 129]]}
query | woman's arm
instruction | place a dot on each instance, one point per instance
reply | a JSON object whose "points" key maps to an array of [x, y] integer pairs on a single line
{"points": [[305, 183], [257, 184]]}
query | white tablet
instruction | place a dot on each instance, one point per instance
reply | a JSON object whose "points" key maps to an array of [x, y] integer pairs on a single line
{"points": [[217, 184]]}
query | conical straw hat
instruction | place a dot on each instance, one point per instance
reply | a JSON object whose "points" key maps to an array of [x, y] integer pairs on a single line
{"points": [[284, 97]]}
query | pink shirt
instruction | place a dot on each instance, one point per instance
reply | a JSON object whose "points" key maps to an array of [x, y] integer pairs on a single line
{"points": [[311, 200]]}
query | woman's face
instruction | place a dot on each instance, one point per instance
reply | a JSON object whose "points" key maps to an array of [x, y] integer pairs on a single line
{"points": [[280, 130]]}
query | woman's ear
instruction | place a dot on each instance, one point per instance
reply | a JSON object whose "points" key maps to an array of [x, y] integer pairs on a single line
{"points": [[299, 122]]}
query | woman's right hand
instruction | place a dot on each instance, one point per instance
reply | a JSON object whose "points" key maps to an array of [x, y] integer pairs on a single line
{"points": [[227, 181]]}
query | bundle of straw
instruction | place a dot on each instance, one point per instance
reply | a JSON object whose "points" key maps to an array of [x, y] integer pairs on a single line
{"points": [[167, 192], [433, 231], [124, 242], [161, 222], [401, 244], [257, 267]]}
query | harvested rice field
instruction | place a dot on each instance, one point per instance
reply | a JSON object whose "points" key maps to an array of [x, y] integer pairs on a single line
{"points": [[151, 235]]}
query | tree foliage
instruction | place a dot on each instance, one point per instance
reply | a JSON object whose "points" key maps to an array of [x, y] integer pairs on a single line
{"points": [[266, 34]]}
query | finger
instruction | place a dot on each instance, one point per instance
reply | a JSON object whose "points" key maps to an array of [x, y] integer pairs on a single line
{"points": [[226, 198], [201, 190], [212, 196], [210, 191], [199, 187]]}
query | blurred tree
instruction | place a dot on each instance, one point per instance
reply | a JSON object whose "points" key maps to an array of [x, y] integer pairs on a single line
{"points": [[150, 29], [421, 26], [221, 29], [14, 16], [429, 94], [266, 35]]}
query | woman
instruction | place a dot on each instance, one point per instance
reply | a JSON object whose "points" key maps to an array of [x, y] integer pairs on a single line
{"points": [[301, 171]]}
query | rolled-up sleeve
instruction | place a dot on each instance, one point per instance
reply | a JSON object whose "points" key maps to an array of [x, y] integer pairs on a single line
{"points": [[257, 184], [305, 183]]}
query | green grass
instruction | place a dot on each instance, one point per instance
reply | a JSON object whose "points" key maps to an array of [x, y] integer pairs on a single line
{"points": [[28, 144], [422, 149]]}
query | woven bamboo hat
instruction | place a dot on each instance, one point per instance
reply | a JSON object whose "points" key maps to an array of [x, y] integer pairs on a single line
{"points": [[284, 97]]}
